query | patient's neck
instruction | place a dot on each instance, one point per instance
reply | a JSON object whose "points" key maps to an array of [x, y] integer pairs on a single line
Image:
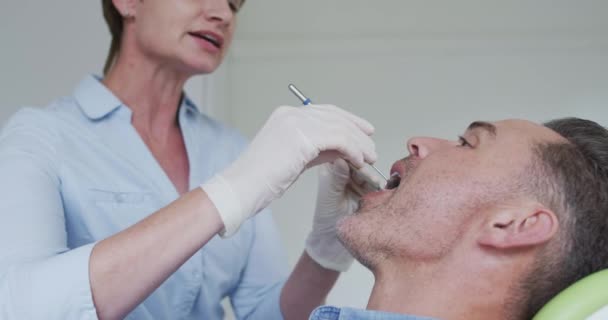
{"points": [[440, 291]]}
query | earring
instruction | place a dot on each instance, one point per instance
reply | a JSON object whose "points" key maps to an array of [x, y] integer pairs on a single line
{"points": [[127, 15]]}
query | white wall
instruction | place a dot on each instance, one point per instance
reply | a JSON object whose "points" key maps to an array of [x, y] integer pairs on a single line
{"points": [[47, 47], [411, 67], [426, 67]]}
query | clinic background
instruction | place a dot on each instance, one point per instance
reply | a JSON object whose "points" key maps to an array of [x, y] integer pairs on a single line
{"points": [[411, 67]]}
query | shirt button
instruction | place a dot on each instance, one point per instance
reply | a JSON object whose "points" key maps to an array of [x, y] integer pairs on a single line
{"points": [[120, 197]]}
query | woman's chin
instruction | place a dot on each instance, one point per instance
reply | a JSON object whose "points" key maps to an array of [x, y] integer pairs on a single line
{"points": [[203, 65], [204, 68], [197, 65]]}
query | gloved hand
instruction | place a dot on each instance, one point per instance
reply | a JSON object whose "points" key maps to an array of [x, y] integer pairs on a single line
{"points": [[292, 140], [334, 201], [338, 195]]}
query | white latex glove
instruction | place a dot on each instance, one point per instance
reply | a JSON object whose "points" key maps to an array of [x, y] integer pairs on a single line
{"points": [[292, 140], [333, 202], [338, 195]]}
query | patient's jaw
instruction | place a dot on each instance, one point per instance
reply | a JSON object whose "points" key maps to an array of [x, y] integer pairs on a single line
{"points": [[460, 226]]}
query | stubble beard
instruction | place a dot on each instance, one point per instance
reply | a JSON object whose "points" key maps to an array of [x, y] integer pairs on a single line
{"points": [[366, 234], [365, 238]]}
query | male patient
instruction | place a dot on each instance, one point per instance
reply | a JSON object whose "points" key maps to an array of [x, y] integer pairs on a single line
{"points": [[491, 226]]}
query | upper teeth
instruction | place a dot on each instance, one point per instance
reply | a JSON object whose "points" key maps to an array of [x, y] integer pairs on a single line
{"points": [[212, 38]]}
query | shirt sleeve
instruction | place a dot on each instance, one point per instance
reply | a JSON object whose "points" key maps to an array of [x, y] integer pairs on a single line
{"points": [[258, 293], [40, 277]]}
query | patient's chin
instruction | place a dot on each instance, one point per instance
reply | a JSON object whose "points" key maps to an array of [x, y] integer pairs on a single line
{"points": [[354, 233]]}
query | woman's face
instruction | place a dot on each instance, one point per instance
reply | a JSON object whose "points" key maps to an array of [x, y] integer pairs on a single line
{"points": [[191, 36]]}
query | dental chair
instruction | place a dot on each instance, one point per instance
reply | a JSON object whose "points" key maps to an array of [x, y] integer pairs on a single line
{"points": [[586, 299]]}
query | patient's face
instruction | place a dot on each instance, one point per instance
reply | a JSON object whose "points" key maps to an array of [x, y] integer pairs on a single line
{"points": [[446, 187]]}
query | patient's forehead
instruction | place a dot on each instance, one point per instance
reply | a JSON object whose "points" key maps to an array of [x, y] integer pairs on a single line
{"points": [[528, 130]]}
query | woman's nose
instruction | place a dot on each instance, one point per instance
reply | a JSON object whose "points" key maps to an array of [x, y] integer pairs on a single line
{"points": [[218, 10]]}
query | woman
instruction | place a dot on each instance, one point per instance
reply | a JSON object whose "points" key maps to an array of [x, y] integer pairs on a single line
{"points": [[91, 227]]}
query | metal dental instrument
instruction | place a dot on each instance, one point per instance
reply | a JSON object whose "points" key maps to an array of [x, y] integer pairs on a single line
{"points": [[306, 101]]}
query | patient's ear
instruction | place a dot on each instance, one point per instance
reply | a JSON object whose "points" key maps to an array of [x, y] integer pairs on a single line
{"points": [[518, 226]]}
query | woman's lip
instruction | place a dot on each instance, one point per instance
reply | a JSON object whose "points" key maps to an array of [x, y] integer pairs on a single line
{"points": [[214, 35], [206, 45]]}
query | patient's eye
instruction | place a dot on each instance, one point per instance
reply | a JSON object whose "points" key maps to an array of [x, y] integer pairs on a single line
{"points": [[235, 5], [463, 142]]}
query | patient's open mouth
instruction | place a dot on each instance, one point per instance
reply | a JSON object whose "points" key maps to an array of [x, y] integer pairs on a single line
{"points": [[394, 181]]}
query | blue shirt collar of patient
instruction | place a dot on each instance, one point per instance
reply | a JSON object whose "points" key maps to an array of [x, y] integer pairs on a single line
{"points": [[334, 313]]}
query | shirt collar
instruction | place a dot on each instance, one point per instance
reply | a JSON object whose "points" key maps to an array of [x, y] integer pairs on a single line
{"points": [[94, 98], [334, 313], [188, 105], [97, 101]]}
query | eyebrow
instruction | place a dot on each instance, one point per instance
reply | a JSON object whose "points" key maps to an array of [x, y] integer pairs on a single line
{"points": [[490, 128]]}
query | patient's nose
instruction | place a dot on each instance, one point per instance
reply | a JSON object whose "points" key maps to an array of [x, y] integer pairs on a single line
{"points": [[421, 147]]}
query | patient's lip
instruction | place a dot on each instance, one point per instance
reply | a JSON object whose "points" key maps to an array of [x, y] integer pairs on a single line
{"points": [[399, 167], [373, 194]]}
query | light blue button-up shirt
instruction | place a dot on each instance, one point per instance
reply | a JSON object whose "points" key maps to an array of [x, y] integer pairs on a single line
{"points": [[77, 172], [333, 313]]}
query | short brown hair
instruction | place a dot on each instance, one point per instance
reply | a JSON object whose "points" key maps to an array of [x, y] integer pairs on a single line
{"points": [[115, 24], [574, 181]]}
